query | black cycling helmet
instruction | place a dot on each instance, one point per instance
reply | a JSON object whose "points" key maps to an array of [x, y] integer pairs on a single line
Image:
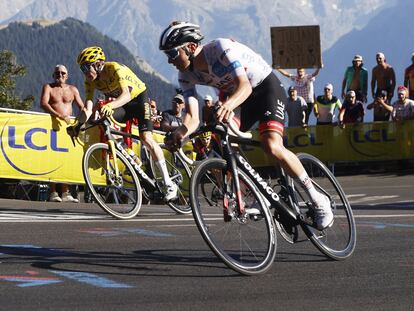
{"points": [[178, 33]]}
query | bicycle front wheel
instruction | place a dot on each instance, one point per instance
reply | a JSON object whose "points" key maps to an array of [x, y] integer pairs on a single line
{"points": [[338, 241], [244, 241], [180, 174], [117, 194]]}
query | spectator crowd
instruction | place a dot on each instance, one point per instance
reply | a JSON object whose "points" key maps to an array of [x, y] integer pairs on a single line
{"points": [[350, 106]]}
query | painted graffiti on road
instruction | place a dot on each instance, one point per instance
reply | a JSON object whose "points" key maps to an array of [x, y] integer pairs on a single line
{"points": [[109, 232], [382, 225], [32, 278]]}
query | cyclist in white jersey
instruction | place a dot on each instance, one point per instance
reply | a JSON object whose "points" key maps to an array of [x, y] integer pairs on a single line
{"points": [[242, 78]]}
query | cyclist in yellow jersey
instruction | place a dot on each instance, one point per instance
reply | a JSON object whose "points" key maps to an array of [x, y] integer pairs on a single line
{"points": [[130, 101]]}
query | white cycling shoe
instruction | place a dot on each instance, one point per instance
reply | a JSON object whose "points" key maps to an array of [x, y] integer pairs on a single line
{"points": [[170, 192], [323, 213]]}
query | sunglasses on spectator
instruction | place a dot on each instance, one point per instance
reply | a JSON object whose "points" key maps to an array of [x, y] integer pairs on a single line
{"points": [[327, 89], [60, 73], [85, 68]]}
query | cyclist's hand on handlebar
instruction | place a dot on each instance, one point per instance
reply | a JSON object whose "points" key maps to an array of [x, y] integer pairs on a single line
{"points": [[224, 113], [107, 110]]}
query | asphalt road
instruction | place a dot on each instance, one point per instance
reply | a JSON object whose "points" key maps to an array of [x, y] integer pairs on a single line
{"points": [[62, 256]]}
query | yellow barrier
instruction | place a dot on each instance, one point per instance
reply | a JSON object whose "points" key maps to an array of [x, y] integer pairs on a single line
{"points": [[36, 147]]}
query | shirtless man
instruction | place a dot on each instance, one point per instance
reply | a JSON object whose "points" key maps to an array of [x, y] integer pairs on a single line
{"points": [[383, 77], [57, 98]]}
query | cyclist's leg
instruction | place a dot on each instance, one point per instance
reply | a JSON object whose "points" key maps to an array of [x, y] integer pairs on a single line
{"points": [[140, 108], [271, 116]]}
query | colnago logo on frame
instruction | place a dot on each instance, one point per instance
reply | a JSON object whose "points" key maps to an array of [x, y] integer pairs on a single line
{"points": [[259, 179]]}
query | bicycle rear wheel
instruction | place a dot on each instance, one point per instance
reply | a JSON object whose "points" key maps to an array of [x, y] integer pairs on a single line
{"points": [[244, 242], [119, 196], [180, 174], [338, 241]]}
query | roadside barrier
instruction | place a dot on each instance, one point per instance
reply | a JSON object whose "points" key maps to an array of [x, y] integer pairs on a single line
{"points": [[35, 146]]}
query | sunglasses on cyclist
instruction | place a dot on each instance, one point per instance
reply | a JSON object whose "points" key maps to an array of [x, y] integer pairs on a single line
{"points": [[85, 68], [173, 53]]}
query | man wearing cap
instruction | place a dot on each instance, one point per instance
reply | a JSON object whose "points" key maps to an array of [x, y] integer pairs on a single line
{"points": [[409, 78], [296, 109], [403, 107], [352, 110], [383, 77], [207, 110], [57, 99], [381, 107], [325, 106], [356, 79], [173, 118]]}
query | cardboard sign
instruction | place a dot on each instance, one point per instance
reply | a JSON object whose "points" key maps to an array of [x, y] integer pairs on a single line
{"points": [[296, 47]]}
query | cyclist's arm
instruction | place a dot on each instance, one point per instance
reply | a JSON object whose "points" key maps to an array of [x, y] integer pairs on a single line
{"points": [[241, 93], [191, 119], [122, 99]]}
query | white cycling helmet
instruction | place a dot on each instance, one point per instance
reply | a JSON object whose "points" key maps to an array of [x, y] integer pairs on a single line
{"points": [[178, 33]]}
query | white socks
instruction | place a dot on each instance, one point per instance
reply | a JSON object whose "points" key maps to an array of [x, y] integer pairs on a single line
{"points": [[164, 172], [306, 183]]}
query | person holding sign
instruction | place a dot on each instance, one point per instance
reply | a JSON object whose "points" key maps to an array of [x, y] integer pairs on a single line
{"points": [[303, 84]]}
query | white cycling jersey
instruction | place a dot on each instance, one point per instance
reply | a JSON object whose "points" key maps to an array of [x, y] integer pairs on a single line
{"points": [[226, 60]]}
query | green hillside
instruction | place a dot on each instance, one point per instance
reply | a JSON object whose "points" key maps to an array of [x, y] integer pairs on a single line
{"points": [[41, 48]]}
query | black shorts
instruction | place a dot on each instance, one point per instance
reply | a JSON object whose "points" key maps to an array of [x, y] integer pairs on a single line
{"points": [[266, 104], [137, 108]]}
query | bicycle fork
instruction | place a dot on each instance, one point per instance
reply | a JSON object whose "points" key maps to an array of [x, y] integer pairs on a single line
{"points": [[232, 179]]}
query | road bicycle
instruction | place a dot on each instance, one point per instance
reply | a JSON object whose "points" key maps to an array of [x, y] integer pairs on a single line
{"points": [[116, 177], [238, 212]]}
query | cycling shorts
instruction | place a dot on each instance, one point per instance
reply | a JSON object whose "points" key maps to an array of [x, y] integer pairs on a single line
{"points": [[265, 104], [138, 108]]}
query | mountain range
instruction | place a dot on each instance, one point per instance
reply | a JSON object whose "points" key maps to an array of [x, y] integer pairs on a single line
{"points": [[40, 46], [138, 23], [348, 27]]}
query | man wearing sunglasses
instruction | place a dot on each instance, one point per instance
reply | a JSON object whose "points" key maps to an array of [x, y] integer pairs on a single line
{"points": [[57, 99], [243, 79], [117, 81]]}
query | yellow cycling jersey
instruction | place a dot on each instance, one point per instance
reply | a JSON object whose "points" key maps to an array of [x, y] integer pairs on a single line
{"points": [[116, 76]]}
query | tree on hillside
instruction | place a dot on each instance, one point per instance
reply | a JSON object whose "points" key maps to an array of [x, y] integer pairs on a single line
{"points": [[9, 70]]}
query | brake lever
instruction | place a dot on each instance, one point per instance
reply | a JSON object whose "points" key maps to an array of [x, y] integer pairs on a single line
{"points": [[73, 141]]}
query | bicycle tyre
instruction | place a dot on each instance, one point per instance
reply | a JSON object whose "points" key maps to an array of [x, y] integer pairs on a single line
{"points": [[246, 244], [121, 199], [338, 241], [180, 174]]}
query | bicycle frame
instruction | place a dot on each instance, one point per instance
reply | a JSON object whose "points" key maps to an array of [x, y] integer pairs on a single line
{"points": [[236, 160], [115, 144]]}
